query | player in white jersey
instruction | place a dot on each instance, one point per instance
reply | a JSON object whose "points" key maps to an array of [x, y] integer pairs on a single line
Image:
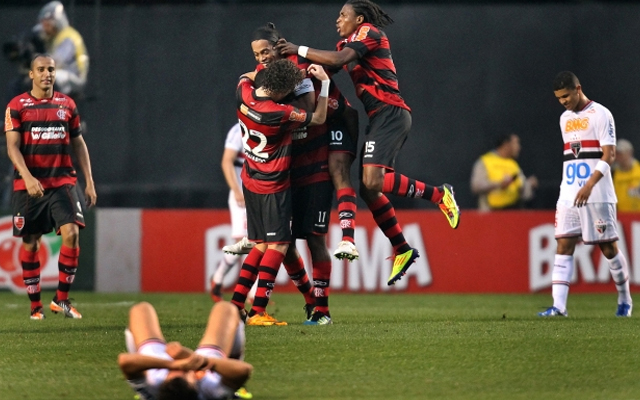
{"points": [[232, 161], [586, 207], [156, 369]]}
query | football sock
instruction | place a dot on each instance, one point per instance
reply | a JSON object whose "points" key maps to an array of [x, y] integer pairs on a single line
{"points": [[561, 278], [347, 213], [404, 186], [228, 261], [67, 267], [620, 273], [267, 272], [31, 275], [299, 277], [321, 275], [248, 275], [385, 216]]}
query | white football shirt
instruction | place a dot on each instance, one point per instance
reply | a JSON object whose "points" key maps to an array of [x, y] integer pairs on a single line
{"points": [[584, 133]]}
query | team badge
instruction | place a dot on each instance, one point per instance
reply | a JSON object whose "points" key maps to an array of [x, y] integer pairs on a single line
{"points": [[601, 226], [575, 148], [18, 222], [62, 114]]}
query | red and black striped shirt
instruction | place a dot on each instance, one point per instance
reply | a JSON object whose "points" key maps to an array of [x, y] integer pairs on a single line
{"points": [[374, 72], [266, 135], [46, 127]]}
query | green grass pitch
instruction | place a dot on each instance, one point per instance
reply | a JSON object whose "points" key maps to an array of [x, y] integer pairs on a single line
{"points": [[382, 346]]}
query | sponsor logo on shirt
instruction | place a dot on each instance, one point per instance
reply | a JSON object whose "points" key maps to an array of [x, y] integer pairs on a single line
{"points": [[576, 124], [48, 133], [298, 116]]}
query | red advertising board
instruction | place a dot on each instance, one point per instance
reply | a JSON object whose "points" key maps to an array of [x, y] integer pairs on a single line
{"points": [[505, 252]]}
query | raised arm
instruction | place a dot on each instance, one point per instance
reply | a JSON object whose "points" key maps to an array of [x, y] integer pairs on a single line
{"points": [[334, 59]]}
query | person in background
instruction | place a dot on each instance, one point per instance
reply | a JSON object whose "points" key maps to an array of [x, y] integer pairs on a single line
{"points": [[66, 46], [232, 162], [626, 177], [497, 179]]}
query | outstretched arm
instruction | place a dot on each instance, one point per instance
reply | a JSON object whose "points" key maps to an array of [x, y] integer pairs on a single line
{"points": [[334, 59]]}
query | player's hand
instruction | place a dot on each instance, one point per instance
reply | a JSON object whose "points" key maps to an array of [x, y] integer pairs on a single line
{"points": [[583, 195], [90, 195], [34, 187], [239, 199], [285, 48], [251, 75], [192, 363], [318, 72]]}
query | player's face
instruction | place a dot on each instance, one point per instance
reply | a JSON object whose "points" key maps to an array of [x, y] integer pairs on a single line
{"points": [[569, 98], [43, 73], [348, 21], [263, 51]]}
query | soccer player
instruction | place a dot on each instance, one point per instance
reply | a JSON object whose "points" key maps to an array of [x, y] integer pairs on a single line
{"points": [[42, 129], [156, 369], [342, 132], [266, 126], [586, 206], [231, 164], [365, 53]]}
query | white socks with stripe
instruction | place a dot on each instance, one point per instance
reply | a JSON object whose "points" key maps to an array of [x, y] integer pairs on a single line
{"points": [[620, 273], [561, 278]]}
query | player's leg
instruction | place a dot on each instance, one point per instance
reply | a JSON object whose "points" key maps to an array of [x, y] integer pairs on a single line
{"points": [[298, 274], [321, 260], [68, 216], [30, 263], [248, 275], [144, 326], [619, 269], [568, 231]]}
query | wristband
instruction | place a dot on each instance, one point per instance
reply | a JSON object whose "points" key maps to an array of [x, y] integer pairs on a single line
{"points": [[603, 167], [302, 51], [324, 90]]}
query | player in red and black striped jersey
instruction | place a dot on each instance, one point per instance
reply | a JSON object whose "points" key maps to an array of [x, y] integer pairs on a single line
{"points": [[42, 129], [266, 127], [365, 53], [343, 137]]}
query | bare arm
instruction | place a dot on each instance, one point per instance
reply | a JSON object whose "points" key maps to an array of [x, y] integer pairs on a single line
{"points": [[329, 58], [608, 156], [34, 187], [229, 171], [133, 365], [82, 155], [320, 113], [234, 372]]}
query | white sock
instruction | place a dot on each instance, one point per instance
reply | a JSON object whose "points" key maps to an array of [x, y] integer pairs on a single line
{"points": [[620, 273], [227, 262], [561, 278], [129, 342], [252, 293]]}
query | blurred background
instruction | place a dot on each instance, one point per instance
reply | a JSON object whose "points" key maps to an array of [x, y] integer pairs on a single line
{"points": [[161, 85]]}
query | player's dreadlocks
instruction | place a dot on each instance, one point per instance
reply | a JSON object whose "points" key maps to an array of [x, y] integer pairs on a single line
{"points": [[371, 12], [565, 80], [281, 77], [267, 32]]}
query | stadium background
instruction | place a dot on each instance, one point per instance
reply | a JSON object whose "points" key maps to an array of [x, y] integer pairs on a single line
{"points": [[163, 74]]}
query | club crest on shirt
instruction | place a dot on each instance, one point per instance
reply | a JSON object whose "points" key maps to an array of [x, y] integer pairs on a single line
{"points": [[62, 114], [601, 226], [575, 148]]}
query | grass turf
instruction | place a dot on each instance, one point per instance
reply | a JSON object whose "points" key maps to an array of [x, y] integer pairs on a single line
{"points": [[380, 346]]}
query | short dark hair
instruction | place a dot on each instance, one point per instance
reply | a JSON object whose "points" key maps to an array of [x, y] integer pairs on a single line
{"points": [[565, 80], [371, 12], [282, 77], [502, 139], [177, 389], [267, 32], [38, 55]]}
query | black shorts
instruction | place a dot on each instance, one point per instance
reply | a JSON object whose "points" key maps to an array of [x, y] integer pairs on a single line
{"points": [[59, 206], [387, 131], [311, 209], [268, 216], [340, 139]]}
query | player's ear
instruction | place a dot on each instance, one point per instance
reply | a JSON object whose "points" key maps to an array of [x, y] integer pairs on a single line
{"points": [[360, 19]]}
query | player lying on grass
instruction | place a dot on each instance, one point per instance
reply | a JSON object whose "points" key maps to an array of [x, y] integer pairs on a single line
{"points": [[158, 370]]}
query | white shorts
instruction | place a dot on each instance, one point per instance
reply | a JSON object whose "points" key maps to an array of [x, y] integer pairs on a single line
{"points": [[595, 222], [238, 218]]}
